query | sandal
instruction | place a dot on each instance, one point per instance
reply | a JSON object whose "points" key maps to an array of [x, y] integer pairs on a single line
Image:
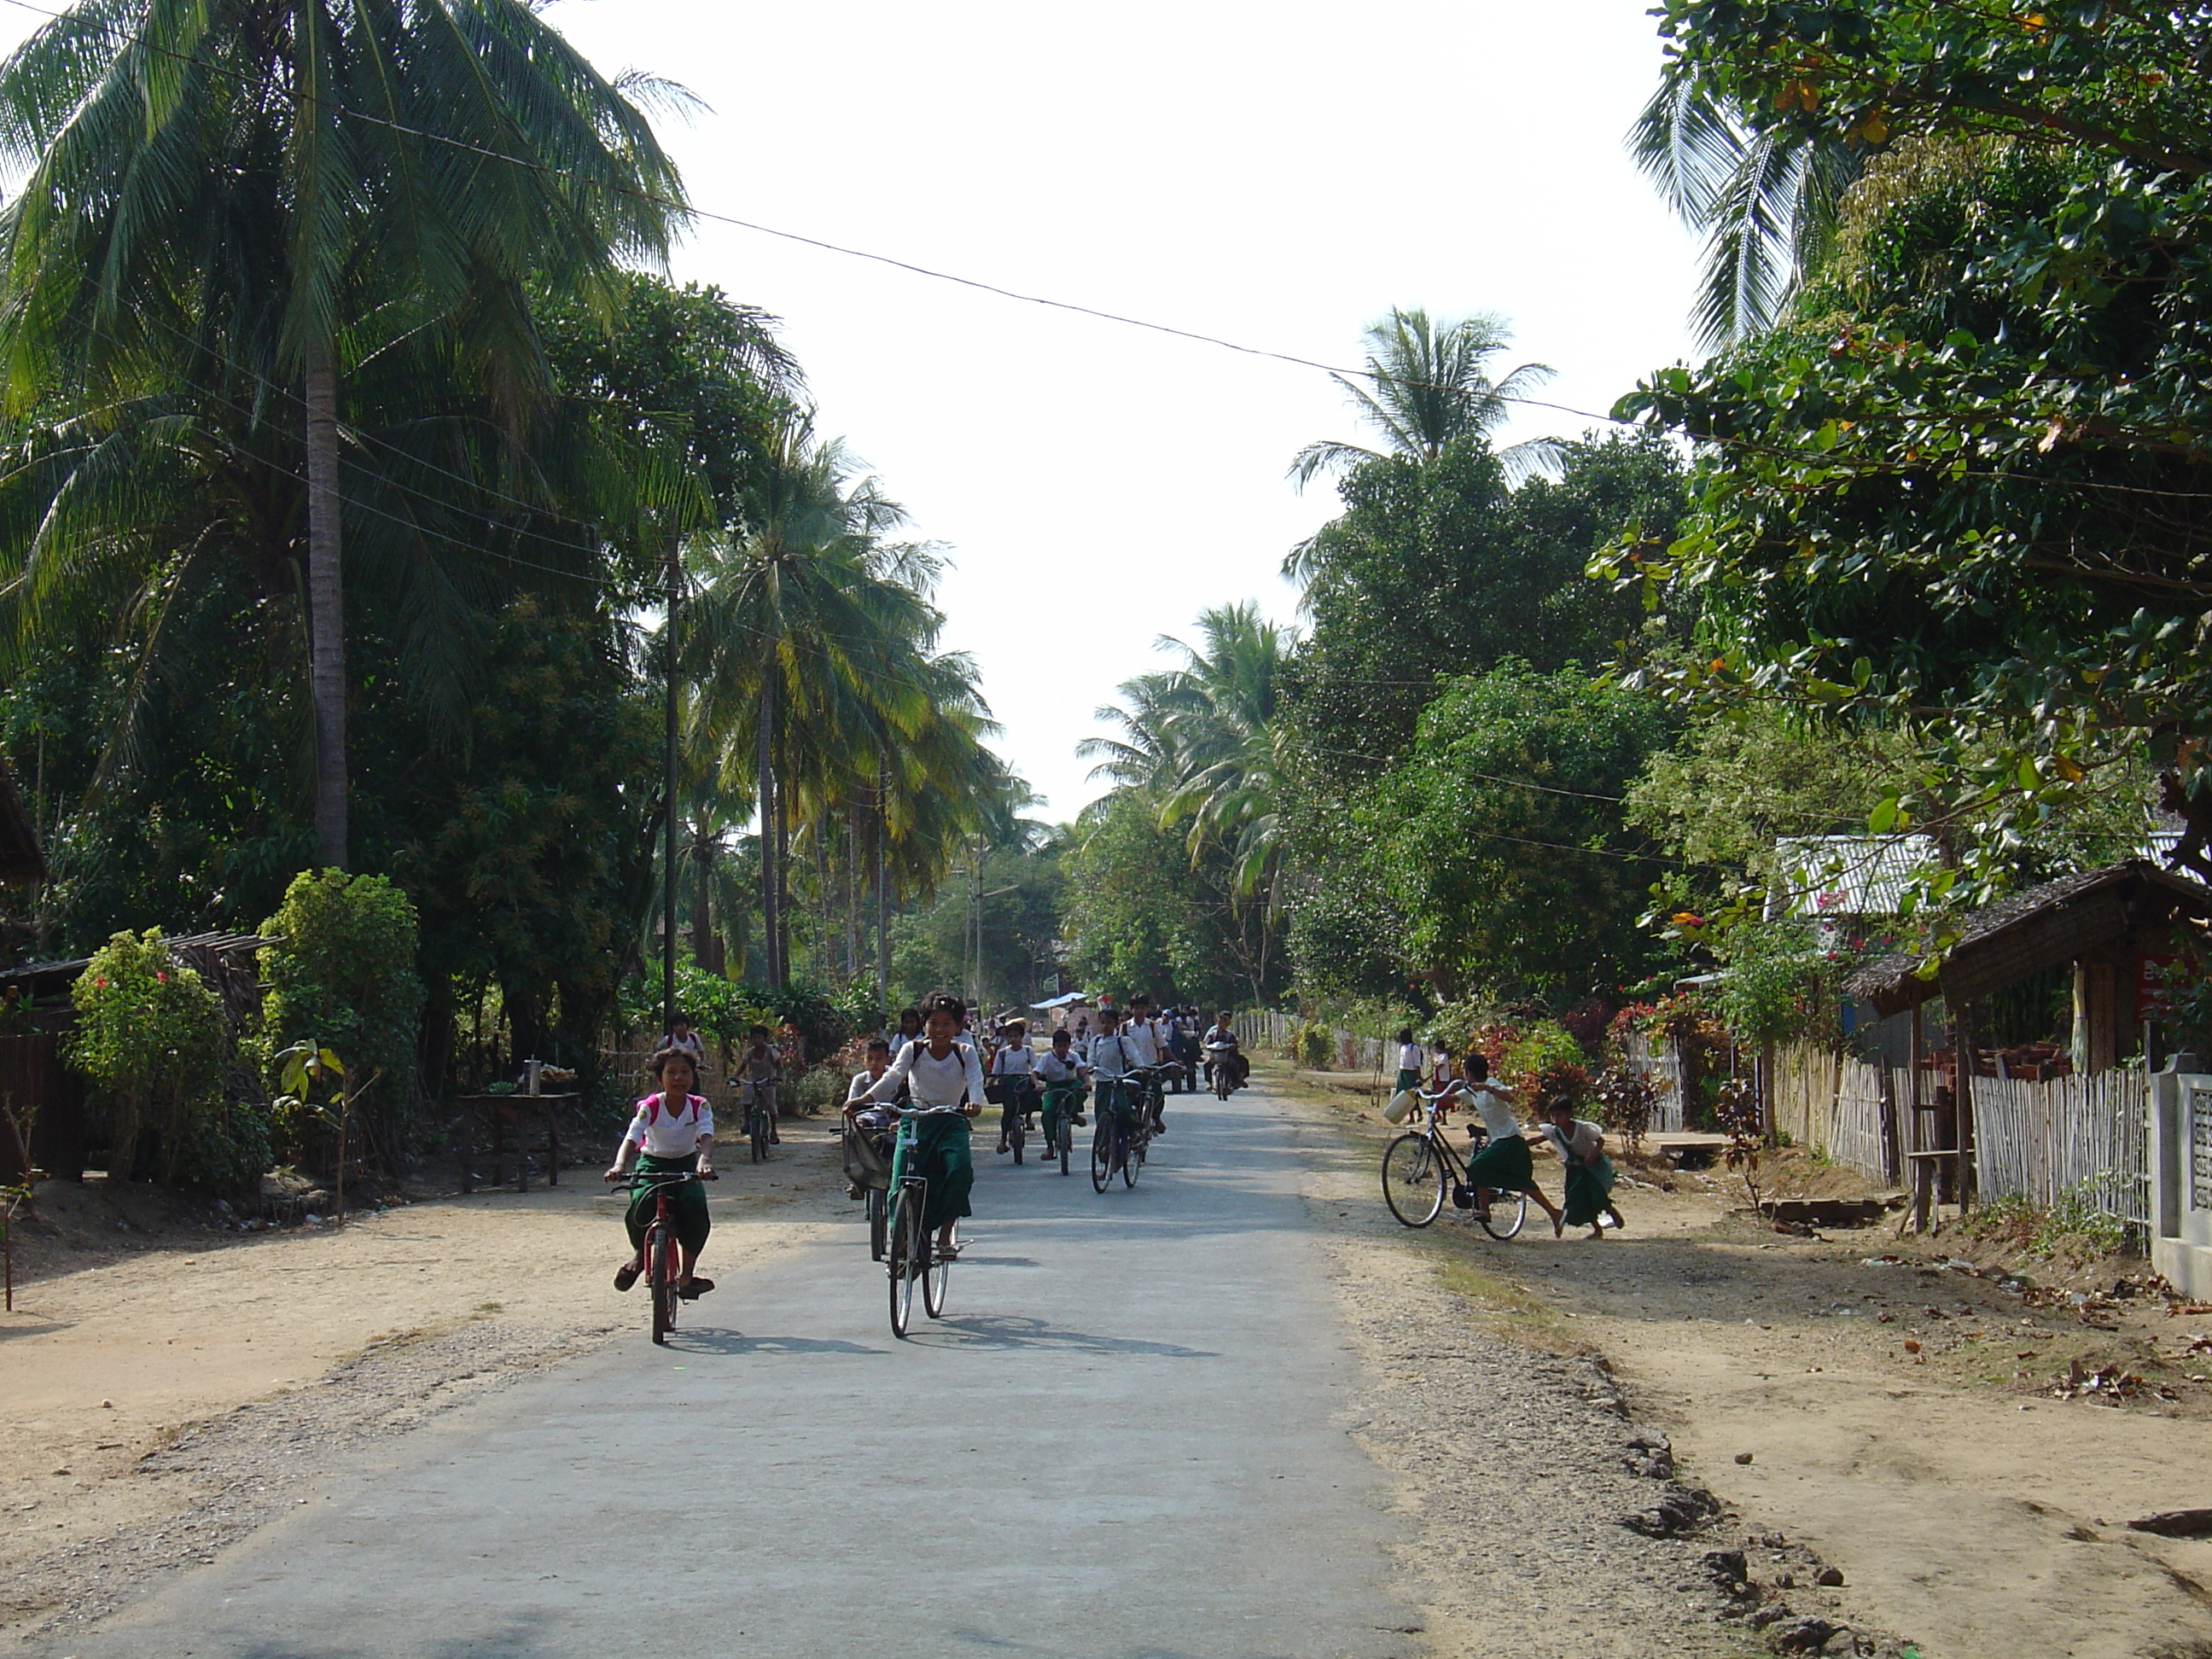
{"points": [[626, 1275], [695, 1287]]}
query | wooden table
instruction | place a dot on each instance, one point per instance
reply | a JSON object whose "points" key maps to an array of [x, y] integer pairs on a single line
{"points": [[497, 1112]]}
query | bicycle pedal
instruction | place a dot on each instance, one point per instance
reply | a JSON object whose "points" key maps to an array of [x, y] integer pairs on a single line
{"points": [[1462, 1197]]}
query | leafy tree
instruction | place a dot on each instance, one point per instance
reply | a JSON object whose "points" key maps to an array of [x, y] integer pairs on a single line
{"points": [[295, 187], [1505, 849], [149, 1038], [343, 974], [1960, 486]]}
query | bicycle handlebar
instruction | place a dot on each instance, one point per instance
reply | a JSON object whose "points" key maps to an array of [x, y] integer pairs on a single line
{"points": [[661, 1177]]}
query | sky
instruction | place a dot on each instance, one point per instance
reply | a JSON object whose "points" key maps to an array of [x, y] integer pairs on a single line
{"points": [[1278, 175]]}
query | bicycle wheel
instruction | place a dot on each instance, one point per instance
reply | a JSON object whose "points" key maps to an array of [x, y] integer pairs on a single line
{"points": [[1065, 1134], [757, 1127], [1133, 1159], [1101, 1154], [664, 1274], [904, 1258], [1413, 1178], [936, 1275], [1508, 1211], [1016, 1133], [879, 1224]]}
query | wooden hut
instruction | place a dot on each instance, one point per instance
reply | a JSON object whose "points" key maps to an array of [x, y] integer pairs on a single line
{"points": [[2107, 923]]}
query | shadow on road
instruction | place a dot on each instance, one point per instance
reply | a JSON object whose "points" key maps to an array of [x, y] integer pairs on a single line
{"points": [[1010, 1331], [735, 1342]]}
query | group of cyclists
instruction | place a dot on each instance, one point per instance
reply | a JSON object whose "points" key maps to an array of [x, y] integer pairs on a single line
{"points": [[909, 1108]]}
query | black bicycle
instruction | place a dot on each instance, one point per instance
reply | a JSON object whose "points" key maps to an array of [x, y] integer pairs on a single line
{"points": [[1014, 1114], [1125, 1132], [1420, 1170], [760, 1119], [912, 1255]]}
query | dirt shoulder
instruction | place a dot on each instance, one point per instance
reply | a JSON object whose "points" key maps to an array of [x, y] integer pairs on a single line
{"points": [[167, 1396], [1899, 1419]]}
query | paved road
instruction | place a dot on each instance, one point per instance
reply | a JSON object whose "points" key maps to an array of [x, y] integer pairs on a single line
{"points": [[1121, 1442]]}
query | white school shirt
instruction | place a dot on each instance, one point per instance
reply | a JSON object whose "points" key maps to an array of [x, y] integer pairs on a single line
{"points": [[1497, 1119], [1143, 1039], [1053, 1069], [1409, 1057], [1588, 1139], [1112, 1058], [933, 1082], [1015, 1060], [660, 1132], [862, 1082]]}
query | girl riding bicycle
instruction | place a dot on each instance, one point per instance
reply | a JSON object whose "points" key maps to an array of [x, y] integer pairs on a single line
{"points": [[671, 1134], [940, 1072]]}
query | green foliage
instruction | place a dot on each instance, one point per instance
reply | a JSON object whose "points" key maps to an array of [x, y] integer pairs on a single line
{"points": [[1780, 984], [1961, 476], [1505, 850], [1133, 923], [1313, 1046], [1542, 1061], [224, 1147], [2080, 1226], [149, 1038], [343, 973]]}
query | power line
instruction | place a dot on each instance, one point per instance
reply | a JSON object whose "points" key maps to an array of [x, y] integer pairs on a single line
{"points": [[677, 205]]}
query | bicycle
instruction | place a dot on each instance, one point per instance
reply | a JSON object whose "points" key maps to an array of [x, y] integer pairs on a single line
{"points": [[663, 1255], [1014, 1115], [1063, 1129], [1221, 1072], [1124, 1134], [760, 1121], [1419, 1168], [912, 1255]]}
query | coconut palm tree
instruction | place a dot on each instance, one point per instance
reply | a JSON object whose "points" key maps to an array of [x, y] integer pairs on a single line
{"points": [[1765, 201], [809, 643], [282, 189], [1428, 386]]}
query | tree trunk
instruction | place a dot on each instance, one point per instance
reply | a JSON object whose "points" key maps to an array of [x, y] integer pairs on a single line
{"points": [[883, 894], [668, 790], [771, 878], [327, 609], [702, 934]]}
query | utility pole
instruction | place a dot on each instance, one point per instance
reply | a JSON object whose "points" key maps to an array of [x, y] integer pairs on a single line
{"points": [[668, 850]]}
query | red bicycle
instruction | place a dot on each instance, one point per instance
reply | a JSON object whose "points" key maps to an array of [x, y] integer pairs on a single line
{"points": [[664, 1254]]}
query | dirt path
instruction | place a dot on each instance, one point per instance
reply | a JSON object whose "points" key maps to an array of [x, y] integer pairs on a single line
{"points": [[1966, 1507], [164, 1401]]}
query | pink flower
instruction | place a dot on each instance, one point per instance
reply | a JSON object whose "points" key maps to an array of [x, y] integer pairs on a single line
{"points": [[161, 979], [100, 983]]}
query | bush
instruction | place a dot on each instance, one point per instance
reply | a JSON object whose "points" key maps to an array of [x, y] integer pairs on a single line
{"points": [[224, 1147], [1544, 1060], [1313, 1046], [342, 973], [149, 1040]]}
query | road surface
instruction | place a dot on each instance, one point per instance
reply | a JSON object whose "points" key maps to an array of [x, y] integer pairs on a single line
{"points": [[1124, 1440]]}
